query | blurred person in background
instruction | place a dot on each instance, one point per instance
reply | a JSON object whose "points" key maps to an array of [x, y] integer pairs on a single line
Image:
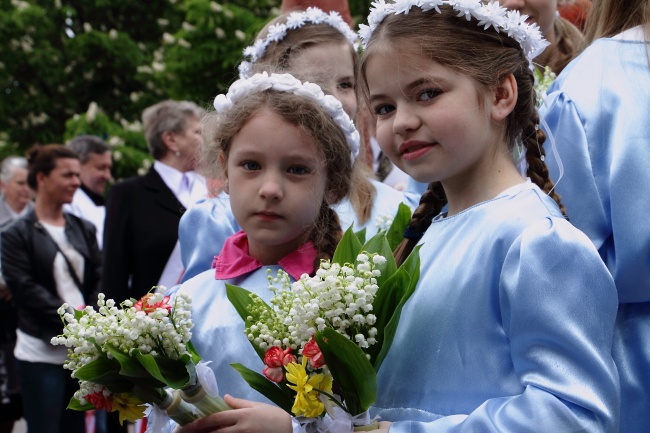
{"points": [[88, 202], [142, 214], [49, 257], [575, 11], [565, 39], [15, 201]]}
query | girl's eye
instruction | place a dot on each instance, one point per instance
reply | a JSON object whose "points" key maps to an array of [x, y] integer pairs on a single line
{"points": [[382, 110], [250, 165], [346, 85], [428, 94], [299, 170]]}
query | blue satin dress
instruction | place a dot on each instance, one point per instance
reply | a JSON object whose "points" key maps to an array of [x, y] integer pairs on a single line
{"points": [[218, 332], [509, 329], [598, 111], [205, 226]]}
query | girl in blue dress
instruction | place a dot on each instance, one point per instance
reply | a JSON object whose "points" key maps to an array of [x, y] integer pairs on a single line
{"points": [[317, 47], [285, 152], [510, 327], [598, 112]]}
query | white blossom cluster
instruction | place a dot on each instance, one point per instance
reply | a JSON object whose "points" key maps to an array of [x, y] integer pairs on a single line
{"points": [[149, 326], [338, 296], [244, 87], [486, 14], [277, 32]]}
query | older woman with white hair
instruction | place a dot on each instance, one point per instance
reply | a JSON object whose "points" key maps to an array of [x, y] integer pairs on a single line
{"points": [[15, 201]]}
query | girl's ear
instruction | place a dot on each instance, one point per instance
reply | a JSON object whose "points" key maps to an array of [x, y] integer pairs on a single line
{"points": [[505, 98]]}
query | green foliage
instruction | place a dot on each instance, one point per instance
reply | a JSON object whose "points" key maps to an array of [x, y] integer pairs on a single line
{"points": [[58, 57]]}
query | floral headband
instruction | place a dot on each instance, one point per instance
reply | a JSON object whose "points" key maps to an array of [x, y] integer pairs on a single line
{"points": [[295, 20], [244, 87], [487, 14]]}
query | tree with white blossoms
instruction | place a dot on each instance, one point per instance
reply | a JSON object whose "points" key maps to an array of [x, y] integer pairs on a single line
{"points": [[333, 328]]}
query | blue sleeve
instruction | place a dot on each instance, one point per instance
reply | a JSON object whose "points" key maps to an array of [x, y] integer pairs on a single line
{"points": [[558, 308], [202, 231], [598, 117]]}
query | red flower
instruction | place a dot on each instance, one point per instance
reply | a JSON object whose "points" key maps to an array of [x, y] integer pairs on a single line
{"points": [[274, 359], [313, 353], [144, 305], [99, 400]]}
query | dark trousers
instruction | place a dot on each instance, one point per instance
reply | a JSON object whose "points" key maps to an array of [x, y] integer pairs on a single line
{"points": [[46, 390]]}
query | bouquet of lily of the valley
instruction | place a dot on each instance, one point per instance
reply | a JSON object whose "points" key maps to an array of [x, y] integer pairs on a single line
{"points": [[323, 338], [137, 353]]}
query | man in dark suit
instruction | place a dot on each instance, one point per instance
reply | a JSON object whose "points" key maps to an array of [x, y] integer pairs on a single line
{"points": [[142, 213]]}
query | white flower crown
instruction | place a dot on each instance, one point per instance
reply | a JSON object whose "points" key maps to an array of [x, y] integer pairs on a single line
{"points": [[244, 87], [487, 14], [295, 20]]}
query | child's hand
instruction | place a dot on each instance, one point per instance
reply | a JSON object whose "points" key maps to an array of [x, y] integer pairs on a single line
{"points": [[384, 426], [246, 416]]}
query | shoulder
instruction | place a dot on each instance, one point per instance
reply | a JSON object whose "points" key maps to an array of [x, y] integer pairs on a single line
{"points": [[78, 222]]}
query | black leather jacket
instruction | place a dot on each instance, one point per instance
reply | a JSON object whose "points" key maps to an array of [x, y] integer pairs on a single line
{"points": [[28, 254]]}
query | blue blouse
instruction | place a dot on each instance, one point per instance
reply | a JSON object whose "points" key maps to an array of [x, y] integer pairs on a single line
{"points": [[598, 111], [509, 328]]}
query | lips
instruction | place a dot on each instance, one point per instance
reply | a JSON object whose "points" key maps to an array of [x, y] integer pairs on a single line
{"points": [[268, 216], [413, 149]]}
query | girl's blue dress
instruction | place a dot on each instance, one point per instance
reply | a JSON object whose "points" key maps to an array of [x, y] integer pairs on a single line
{"points": [[598, 111], [509, 329]]}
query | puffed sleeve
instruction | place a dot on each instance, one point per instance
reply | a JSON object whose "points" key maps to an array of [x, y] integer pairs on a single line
{"points": [[598, 118], [202, 231], [558, 308]]}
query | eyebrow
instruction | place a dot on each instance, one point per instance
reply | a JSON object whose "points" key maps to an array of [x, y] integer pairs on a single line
{"points": [[409, 88]]}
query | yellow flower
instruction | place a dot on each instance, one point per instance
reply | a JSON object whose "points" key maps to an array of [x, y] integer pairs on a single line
{"points": [[129, 407], [307, 402]]}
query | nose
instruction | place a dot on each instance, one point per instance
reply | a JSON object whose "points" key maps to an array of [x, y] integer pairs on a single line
{"points": [[271, 187], [405, 119]]}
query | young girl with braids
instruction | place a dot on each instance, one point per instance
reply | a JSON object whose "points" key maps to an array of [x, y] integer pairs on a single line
{"points": [[285, 151], [510, 327], [317, 47]]}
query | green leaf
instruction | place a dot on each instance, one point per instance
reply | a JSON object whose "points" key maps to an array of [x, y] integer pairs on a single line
{"points": [[395, 232], [196, 358], [350, 369], [104, 371], [348, 248], [267, 388], [361, 234], [78, 314], [175, 373], [76, 405], [130, 367], [241, 299], [389, 302]]}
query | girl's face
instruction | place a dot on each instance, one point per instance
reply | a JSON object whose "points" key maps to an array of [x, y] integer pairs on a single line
{"points": [[430, 120], [276, 182], [331, 66], [541, 12]]}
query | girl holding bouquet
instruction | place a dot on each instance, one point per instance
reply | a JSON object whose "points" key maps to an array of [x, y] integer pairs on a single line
{"points": [[285, 151], [317, 47], [510, 327]]}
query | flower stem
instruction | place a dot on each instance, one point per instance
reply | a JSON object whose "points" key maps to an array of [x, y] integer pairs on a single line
{"points": [[205, 403], [331, 397]]}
